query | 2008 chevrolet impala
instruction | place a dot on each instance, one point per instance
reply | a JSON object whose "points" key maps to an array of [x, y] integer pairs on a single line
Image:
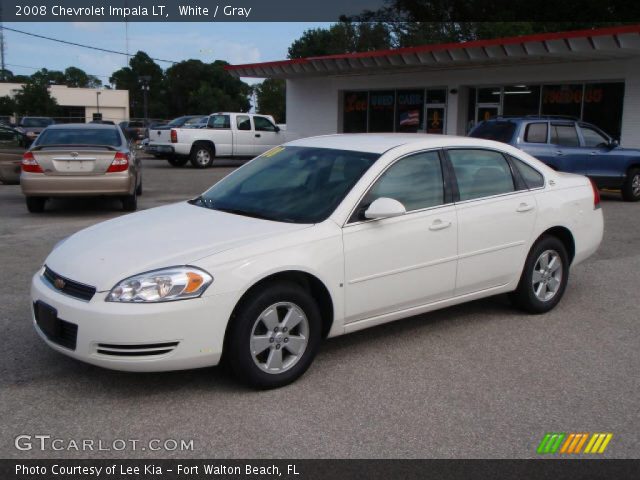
{"points": [[316, 238]]}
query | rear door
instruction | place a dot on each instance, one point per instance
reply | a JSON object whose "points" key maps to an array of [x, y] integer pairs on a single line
{"points": [[243, 137], [567, 153], [496, 216], [266, 135]]}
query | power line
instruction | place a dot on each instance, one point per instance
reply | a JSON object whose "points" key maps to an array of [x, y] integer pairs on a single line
{"points": [[77, 44]]}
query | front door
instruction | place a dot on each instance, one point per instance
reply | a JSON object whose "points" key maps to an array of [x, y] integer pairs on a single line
{"points": [[266, 135], [566, 152], [392, 264]]}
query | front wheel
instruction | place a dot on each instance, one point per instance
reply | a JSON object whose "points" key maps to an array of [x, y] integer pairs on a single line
{"points": [[275, 336], [544, 277], [631, 187]]}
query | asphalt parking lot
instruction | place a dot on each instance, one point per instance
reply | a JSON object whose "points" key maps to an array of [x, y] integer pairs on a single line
{"points": [[480, 380]]}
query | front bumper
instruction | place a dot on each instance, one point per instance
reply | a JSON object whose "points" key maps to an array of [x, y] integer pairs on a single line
{"points": [[38, 184], [194, 328]]}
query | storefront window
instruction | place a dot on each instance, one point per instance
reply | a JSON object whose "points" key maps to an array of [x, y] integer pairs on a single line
{"points": [[603, 106], [410, 108], [437, 95], [521, 100], [489, 95], [355, 112], [381, 107], [565, 100]]}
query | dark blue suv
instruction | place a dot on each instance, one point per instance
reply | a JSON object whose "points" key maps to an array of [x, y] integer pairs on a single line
{"points": [[572, 146]]}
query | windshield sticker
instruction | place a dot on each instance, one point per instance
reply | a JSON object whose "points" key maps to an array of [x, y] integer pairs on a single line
{"points": [[272, 152]]}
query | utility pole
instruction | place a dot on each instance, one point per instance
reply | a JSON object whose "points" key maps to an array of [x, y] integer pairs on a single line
{"points": [[3, 76], [98, 101]]}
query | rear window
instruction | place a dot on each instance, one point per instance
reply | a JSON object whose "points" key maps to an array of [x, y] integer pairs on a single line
{"points": [[80, 136], [498, 131], [36, 122], [536, 133]]}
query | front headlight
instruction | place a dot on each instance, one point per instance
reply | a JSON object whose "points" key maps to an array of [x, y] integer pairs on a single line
{"points": [[164, 285]]}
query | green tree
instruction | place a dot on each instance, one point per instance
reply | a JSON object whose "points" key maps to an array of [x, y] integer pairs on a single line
{"points": [[131, 78], [271, 96], [34, 98], [7, 106], [343, 37], [48, 77], [6, 75], [202, 88], [76, 77]]}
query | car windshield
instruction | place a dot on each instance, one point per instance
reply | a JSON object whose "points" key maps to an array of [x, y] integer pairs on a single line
{"points": [[498, 131], [289, 184], [80, 136], [36, 122]]}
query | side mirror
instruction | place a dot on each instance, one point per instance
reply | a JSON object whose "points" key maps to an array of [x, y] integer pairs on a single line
{"points": [[385, 207], [614, 144], [277, 128]]}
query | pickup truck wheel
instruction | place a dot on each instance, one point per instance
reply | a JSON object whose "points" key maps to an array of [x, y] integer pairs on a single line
{"points": [[631, 187], [177, 161], [201, 156]]}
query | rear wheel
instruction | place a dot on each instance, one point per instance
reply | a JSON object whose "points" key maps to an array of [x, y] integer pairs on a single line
{"points": [[130, 202], [36, 204], [544, 277], [177, 161], [139, 188], [202, 156], [275, 336], [631, 187]]}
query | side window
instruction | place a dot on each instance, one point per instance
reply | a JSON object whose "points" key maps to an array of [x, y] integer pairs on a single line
{"points": [[263, 124], [564, 135], [592, 137], [481, 173], [243, 122], [415, 181], [536, 133], [219, 122], [530, 175]]}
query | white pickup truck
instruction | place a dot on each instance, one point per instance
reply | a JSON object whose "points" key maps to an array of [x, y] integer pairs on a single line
{"points": [[225, 135]]}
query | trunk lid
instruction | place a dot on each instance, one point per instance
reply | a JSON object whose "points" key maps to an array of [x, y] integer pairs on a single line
{"points": [[75, 160]]}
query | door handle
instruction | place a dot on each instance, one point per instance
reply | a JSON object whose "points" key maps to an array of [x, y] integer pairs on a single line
{"points": [[559, 152], [524, 207], [439, 225], [257, 135]]}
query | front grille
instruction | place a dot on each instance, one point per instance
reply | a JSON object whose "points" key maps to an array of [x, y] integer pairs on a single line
{"points": [[74, 289], [137, 350], [58, 331]]}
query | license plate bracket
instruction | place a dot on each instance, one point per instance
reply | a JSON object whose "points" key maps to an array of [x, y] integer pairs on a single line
{"points": [[47, 319]]}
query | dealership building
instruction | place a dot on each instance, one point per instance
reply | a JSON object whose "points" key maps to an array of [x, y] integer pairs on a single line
{"points": [[79, 104], [592, 75]]}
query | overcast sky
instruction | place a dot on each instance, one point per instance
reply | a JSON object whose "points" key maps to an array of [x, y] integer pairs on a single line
{"points": [[233, 42]]}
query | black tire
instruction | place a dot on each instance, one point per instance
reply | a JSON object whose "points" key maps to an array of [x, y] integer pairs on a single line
{"points": [[525, 296], [139, 188], [202, 155], [130, 202], [631, 187], [36, 204], [177, 161], [238, 354]]}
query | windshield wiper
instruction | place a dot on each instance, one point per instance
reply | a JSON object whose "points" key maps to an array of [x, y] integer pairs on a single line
{"points": [[237, 211]]}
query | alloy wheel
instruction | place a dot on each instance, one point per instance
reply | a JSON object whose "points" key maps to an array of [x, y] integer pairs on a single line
{"points": [[547, 275]]}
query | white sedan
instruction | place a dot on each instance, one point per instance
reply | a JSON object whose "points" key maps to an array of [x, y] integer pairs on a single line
{"points": [[317, 238]]}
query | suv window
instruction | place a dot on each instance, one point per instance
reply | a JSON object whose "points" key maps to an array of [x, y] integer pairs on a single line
{"points": [[536, 133], [481, 173], [592, 137], [219, 122], [564, 135], [415, 181], [495, 130], [243, 122], [263, 124], [530, 175]]}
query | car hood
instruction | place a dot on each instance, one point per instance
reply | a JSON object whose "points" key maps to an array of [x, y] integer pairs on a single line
{"points": [[177, 234]]}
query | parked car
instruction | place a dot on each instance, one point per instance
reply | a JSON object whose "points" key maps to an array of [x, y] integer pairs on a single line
{"points": [[226, 135], [316, 238], [12, 145], [32, 126], [134, 130], [84, 159], [572, 146]]}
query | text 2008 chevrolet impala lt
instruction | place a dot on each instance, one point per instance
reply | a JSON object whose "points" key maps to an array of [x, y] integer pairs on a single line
{"points": [[316, 238]]}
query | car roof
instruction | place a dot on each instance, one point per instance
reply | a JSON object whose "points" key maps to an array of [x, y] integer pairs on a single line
{"points": [[62, 126], [381, 142]]}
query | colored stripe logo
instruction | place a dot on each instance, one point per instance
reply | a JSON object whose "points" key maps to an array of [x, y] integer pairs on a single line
{"points": [[572, 443]]}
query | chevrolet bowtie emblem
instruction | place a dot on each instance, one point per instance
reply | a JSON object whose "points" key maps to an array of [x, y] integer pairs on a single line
{"points": [[59, 283]]}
